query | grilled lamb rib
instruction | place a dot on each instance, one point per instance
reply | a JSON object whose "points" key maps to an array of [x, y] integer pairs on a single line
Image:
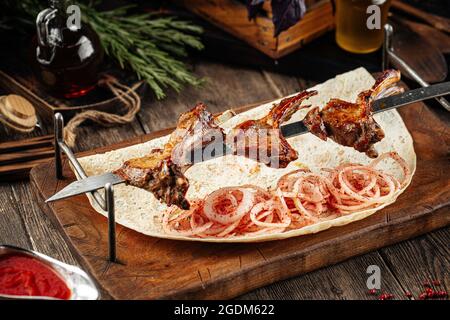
{"points": [[162, 171], [271, 148], [352, 124]]}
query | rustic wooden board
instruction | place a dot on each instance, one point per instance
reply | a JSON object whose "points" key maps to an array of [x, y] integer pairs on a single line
{"points": [[151, 268]]}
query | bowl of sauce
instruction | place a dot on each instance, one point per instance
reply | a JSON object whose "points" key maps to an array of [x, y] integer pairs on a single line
{"points": [[26, 274]]}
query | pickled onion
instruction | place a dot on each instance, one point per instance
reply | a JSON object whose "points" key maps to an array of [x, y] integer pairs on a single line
{"points": [[228, 212], [301, 198]]}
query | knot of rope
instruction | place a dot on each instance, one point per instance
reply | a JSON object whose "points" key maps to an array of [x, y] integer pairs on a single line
{"points": [[127, 95]]}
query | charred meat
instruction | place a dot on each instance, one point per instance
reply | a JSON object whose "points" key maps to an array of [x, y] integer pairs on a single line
{"points": [[158, 174], [352, 124], [262, 139], [162, 171]]}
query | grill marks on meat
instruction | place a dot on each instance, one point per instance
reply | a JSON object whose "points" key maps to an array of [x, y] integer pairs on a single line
{"points": [[162, 171], [270, 147], [352, 124]]}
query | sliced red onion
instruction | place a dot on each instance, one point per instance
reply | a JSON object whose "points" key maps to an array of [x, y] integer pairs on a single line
{"points": [[247, 202]]}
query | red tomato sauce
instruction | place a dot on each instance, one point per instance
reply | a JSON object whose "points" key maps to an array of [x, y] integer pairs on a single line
{"points": [[26, 276]]}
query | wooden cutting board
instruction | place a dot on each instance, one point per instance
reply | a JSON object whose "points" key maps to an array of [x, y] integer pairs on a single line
{"points": [[152, 268]]}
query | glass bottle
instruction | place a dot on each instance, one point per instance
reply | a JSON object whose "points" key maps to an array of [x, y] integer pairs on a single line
{"points": [[67, 55], [352, 32]]}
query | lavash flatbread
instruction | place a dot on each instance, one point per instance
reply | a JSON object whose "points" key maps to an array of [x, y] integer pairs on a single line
{"points": [[139, 210]]}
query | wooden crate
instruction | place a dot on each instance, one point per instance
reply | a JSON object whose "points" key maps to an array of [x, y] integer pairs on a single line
{"points": [[232, 16]]}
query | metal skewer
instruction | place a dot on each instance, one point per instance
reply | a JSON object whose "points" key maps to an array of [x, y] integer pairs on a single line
{"points": [[108, 206], [390, 55], [92, 184], [89, 184]]}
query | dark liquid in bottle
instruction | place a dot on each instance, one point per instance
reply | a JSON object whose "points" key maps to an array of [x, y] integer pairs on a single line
{"points": [[70, 69]]}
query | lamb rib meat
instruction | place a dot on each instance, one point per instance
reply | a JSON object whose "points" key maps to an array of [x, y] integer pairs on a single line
{"points": [[271, 147], [162, 171], [352, 124]]}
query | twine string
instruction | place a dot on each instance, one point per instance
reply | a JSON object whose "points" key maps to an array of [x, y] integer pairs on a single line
{"points": [[127, 95]]}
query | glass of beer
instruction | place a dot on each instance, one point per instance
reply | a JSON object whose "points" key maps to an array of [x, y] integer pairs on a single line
{"points": [[359, 24]]}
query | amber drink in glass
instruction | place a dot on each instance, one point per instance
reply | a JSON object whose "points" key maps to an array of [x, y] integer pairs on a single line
{"points": [[355, 21]]}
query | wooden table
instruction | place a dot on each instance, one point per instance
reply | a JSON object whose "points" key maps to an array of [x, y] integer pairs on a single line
{"points": [[404, 266]]}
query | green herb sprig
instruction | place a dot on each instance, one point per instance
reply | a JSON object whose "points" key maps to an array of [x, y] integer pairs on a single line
{"points": [[148, 45]]}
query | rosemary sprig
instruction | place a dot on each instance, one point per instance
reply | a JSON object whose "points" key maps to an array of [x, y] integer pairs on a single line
{"points": [[147, 44]]}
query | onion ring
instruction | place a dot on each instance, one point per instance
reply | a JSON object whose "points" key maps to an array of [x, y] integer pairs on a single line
{"points": [[229, 215]]}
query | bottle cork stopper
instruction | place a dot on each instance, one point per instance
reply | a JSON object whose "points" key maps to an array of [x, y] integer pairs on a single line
{"points": [[17, 113]]}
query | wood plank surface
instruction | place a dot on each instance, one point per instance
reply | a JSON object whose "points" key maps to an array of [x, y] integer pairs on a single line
{"points": [[149, 267], [417, 263], [345, 280]]}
